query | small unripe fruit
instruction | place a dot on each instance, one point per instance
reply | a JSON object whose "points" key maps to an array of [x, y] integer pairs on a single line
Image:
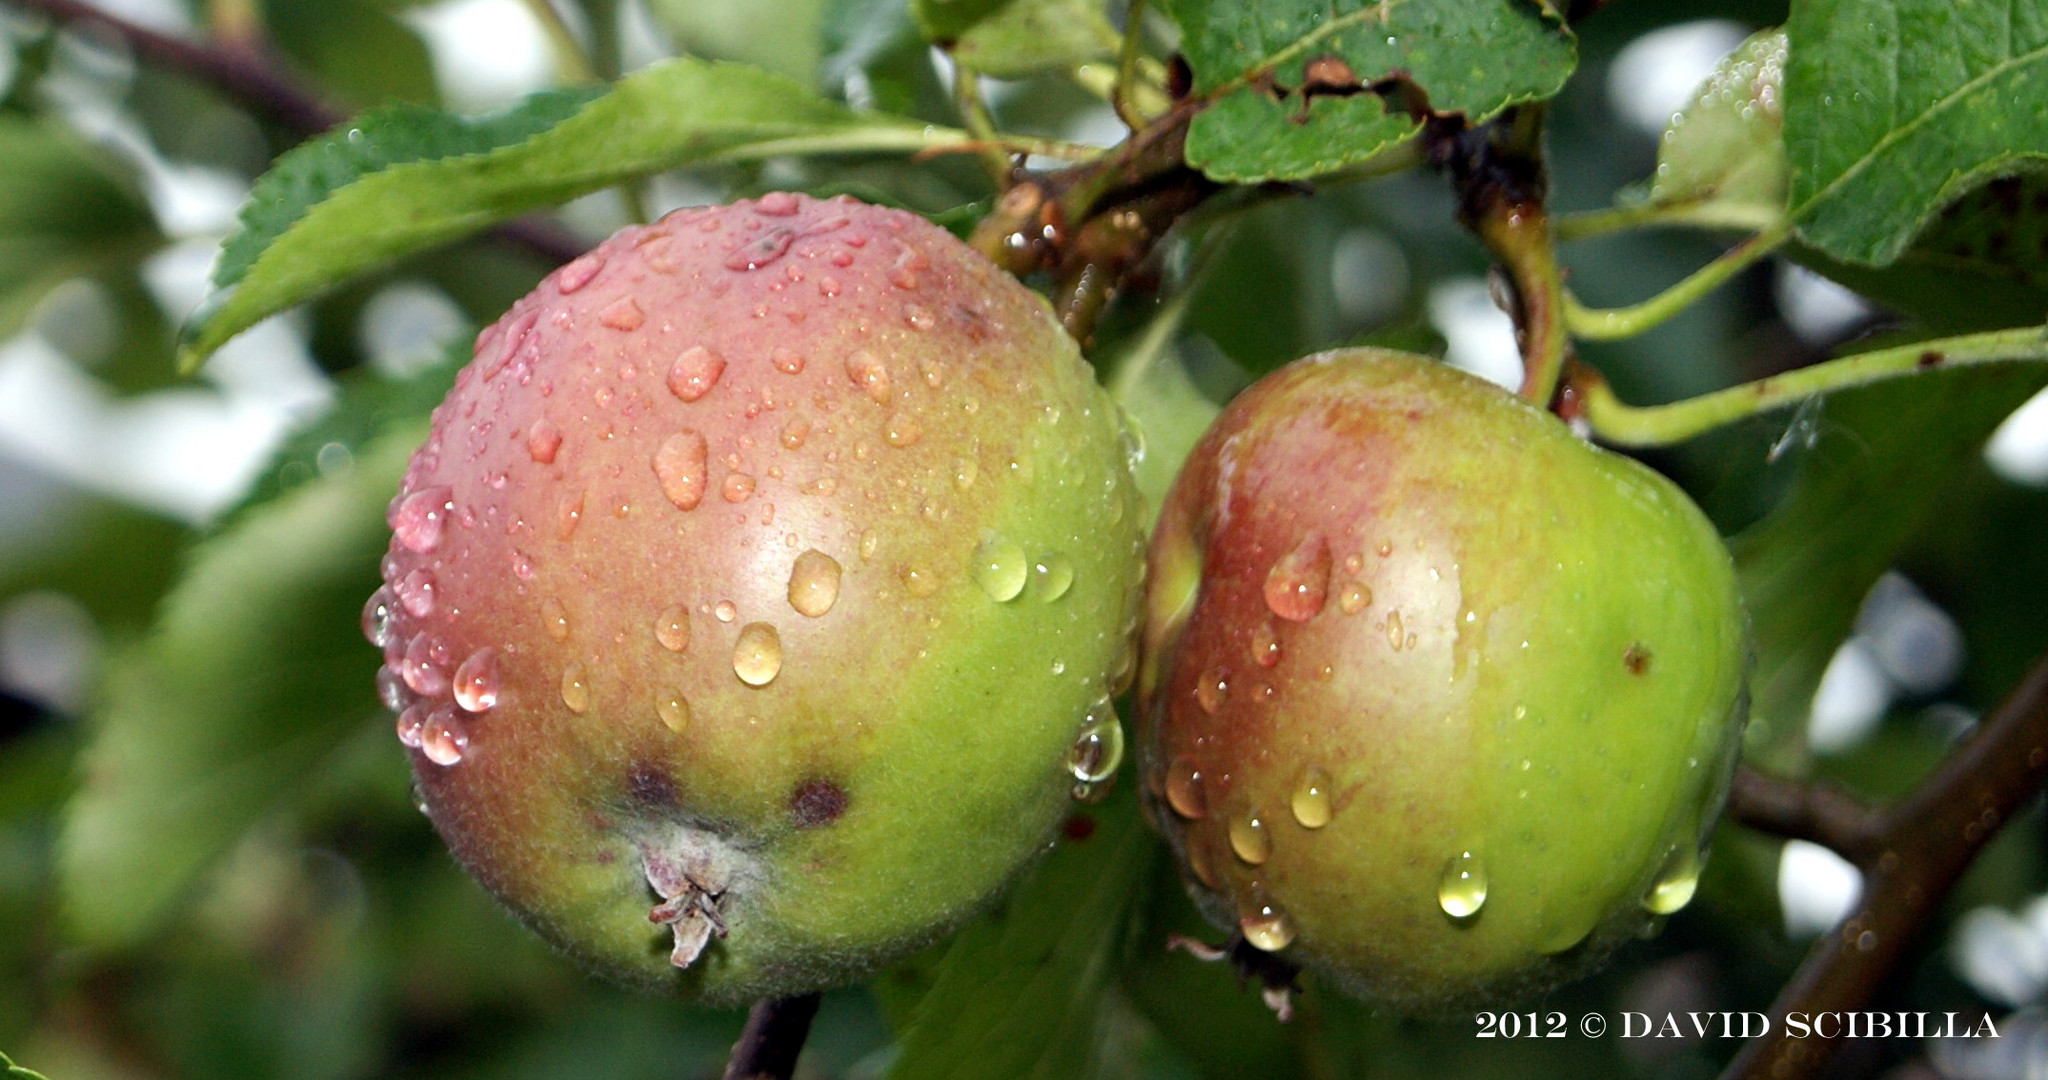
{"points": [[1438, 700], [756, 601]]}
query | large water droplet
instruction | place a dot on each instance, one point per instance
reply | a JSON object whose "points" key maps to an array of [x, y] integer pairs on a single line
{"points": [[795, 432], [869, 373], [443, 739], [1000, 568], [680, 466], [576, 688], [762, 250], [672, 628], [623, 314], [726, 611], [579, 273], [1212, 689], [555, 618], [814, 583], [902, 429], [1099, 747], [379, 618], [568, 515], [543, 442], [1311, 800], [421, 672], [412, 720], [1052, 574], [416, 593], [757, 658], [1250, 839], [695, 372], [787, 361], [1461, 890], [420, 517], [1299, 582], [1676, 882], [674, 710], [1184, 789], [391, 689], [1264, 925], [476, 681]]}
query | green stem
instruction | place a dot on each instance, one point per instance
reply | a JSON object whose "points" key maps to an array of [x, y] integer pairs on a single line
{"points": [[1686, 214], [1621, 424], [975, 116], [568, 51], [1127, 68], [1604, 324]]}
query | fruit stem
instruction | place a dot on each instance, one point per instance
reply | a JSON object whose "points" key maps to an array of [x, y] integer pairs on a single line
{"points": [[1911, 854], [1697, 213], [1124, 93], [1498, 171], [773, 1038], [1606, 324], [1620, 424]]}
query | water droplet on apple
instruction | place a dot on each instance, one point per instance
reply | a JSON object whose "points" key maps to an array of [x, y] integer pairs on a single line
{"points": [[476, 681], [576, 688], [787, 361], [543, 442], [391, 689], [674, 710], [420, 517], [1676, 881], [1461, 890], [869, 373], [681, 468], [1266, 645], [443, 738], [1311, 801], [902, 429], [1264, 925], [420, 671], [1000, 568], [1184, 789], [1354, 597], [411, 721], [379, 618], [814, 583], [694, 372], [1052, 574], [1396, 637], [1299, 582], [672, 628], [1250, 839], [555, 619], [757, 658], [576, 275], [1212, 689], [1099, 747]]}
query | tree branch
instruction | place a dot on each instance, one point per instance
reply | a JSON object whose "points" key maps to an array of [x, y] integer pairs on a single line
{"points": [[240, 73], [773, 1038], [1911, 856], [247, 77]]}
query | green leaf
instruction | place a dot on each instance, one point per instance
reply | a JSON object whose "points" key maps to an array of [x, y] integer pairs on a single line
{"points": [[1883, 452], [364, 54], [1019, 993], [1014, 38], [252, 677], [16, 1072], [1726, 147], [64, 212], [1981, 264], [779, 35], [1893, 108], [1252, 58], [335, 224], [311, 173]]}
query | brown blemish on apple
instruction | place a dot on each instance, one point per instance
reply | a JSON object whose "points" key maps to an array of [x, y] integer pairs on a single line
{"points": [[1637, 658], [816, 802]]}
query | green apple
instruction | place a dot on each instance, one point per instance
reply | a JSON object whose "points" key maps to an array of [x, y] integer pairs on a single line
{"points": [[1438, 700], [757, 599]]}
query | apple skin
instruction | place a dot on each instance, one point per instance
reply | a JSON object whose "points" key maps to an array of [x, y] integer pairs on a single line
{"points": [[754, 583], [1397, 615]]}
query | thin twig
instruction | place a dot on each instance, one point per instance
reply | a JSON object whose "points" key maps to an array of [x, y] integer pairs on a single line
{"points": [[242, 74], [246, 77], [773, 1038], [1911, 857]]}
